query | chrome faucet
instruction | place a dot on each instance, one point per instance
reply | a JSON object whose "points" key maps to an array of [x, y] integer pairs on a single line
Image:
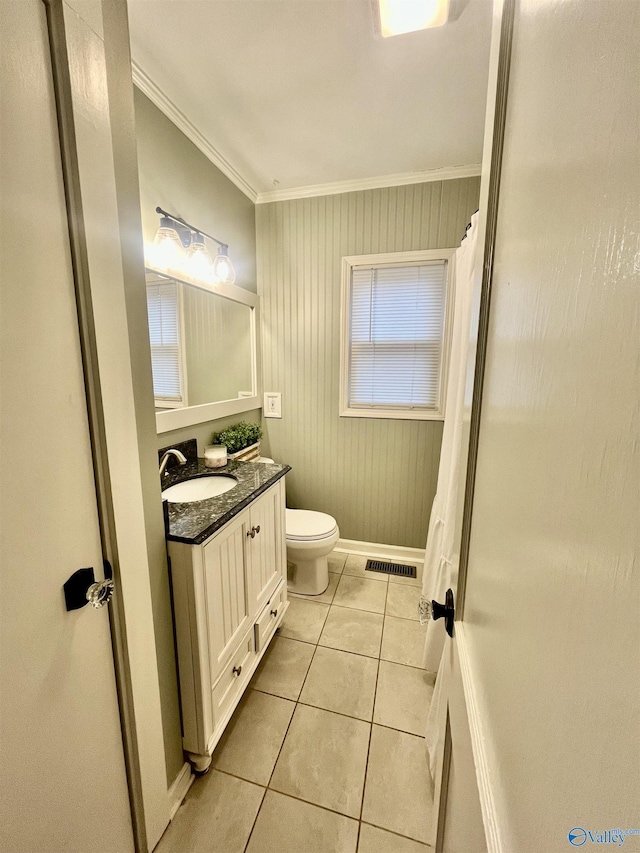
{"points": [[182, 459]]}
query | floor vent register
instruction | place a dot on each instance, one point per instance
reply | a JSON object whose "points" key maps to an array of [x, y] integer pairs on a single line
{"points": [[391, 568]]}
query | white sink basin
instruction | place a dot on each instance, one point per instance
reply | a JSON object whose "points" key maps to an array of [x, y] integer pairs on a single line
{"points": [[199, 489]]}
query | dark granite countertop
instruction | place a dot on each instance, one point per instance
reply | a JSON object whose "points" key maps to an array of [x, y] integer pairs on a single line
{"points": [[194, 522]]}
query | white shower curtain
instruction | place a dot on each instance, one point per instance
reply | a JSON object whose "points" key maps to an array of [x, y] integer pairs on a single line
{"points": [[441, 535]]}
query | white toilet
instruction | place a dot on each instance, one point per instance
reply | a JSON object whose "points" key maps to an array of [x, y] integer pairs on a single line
{"points": [[311, 537]]}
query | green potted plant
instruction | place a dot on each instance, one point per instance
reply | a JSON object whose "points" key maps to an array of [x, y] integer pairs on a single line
{"points": [[242, 440]]}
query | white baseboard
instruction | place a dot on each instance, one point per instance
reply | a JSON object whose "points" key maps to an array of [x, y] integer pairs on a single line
{"points": [[376, 549], [179, 787]]}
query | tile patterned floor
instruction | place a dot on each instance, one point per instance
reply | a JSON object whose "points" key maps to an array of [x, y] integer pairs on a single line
{"points": [[325, 752]]}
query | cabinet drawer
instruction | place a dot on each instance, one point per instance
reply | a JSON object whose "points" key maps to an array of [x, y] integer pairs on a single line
{"points": [[233, 679], [268, 619]]}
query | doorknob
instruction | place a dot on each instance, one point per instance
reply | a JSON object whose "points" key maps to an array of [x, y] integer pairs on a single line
{"points": [[446, 610], [82, 588]]}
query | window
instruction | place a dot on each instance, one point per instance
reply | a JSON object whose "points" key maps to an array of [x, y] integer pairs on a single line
{"points": [[163, 306], [395, 322]]}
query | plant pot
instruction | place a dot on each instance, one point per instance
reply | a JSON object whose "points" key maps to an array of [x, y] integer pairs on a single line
{"points": [[247, 454]]}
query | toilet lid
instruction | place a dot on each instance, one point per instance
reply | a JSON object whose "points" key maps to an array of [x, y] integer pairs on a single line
{"points": [[304, 524]]}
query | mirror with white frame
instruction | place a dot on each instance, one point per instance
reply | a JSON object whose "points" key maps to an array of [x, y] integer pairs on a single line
{"points": [[203, 349]]}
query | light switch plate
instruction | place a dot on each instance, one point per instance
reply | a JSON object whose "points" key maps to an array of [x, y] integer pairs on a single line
{"points": [[272, 407]]}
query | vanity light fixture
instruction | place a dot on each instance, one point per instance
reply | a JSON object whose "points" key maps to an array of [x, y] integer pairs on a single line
{"points": [[198, 261], [167, 251], [407, 16], [222, 267], [180, 247]]}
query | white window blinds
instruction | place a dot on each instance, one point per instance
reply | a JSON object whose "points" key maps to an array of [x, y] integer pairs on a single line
{"points": [[162, 306], [396, 335]]}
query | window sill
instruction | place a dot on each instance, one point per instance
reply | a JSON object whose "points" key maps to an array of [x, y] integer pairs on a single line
{"points": [[394, 414]]}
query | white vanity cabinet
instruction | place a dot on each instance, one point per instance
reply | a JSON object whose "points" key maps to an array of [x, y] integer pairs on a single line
{"points": [[229, 597]]}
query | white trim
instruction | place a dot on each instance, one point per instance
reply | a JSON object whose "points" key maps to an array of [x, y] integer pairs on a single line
{"points": [[179, 788], [478, 745], [228, 291], [174, 114], [382, 259], [189, 416], [377, 549], [392, 414], [401, 179]]}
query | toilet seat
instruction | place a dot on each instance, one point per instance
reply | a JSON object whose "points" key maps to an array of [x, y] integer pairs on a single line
{"points": [[303, 525]]}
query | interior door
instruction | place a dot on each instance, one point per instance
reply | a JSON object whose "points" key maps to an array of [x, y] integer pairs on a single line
{"points": [[547, 647], [64, 786]]}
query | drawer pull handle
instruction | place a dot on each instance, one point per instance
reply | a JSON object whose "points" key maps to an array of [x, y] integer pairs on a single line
{"points": [[257, 529], [252, 533], [274, 613], [237, 670]]}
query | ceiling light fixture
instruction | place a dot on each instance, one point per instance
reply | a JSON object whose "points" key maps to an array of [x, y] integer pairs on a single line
{"points": [[180, 248], [407, 16]]}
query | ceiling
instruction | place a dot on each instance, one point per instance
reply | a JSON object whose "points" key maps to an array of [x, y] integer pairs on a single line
{"points": [[285, 94]]}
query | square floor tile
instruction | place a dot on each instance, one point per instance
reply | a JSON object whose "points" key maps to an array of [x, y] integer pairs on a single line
{"points": [[361, 594], [374, 840], [336, 562], [403, 641], [402, 601], [286, 825], [251, 742], [323, 760], [304, 620], [216, 816], [325, 597], [403, 696], [398, 763], [355, 566], [283, 668], [353, 631], [401, 580], [341, 682]]}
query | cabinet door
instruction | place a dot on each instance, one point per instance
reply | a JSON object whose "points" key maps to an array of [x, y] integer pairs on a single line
{"points": [[228, 607], [267, 547]]}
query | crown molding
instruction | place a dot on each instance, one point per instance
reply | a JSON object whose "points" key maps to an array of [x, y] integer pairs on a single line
{"points": [[447, 173], [172, 112]]}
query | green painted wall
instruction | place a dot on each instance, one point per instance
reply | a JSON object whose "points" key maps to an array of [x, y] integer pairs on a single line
{"points": [[377, 477]]}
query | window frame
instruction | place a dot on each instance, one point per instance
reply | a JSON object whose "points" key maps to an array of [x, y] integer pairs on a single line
{"points": [[394, 259]]}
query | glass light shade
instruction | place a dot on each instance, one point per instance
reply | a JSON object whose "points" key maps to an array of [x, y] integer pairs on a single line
{"points": [[223, 271], [166, 253], [198, 260], [406, 16]]}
